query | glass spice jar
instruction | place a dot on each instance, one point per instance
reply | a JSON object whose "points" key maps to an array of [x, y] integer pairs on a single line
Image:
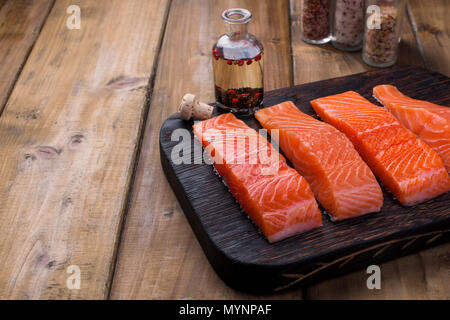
{"points": [[315, 21], [382, 33], [348, 24], [238, 64]]}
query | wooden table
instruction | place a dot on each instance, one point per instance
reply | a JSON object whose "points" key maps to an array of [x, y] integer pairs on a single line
{"points": [[81, 182]]}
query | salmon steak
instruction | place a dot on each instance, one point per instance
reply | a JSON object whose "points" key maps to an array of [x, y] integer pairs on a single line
{"points": [[340, 180], [406, 165], [275, 196], [431, 122]]}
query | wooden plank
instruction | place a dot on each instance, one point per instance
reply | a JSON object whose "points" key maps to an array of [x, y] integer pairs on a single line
{"points": [[20, 23], [424, 275], [69, 135], [159, 257], [418, 276], [429, 20]]}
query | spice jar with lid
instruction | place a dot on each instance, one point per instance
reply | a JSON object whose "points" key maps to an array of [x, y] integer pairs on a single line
{"points": [[315, 21], [348, 24], [382, 33], [238, 64]]}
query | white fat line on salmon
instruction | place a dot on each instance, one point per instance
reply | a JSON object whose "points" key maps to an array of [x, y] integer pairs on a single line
{"points": [[232, 146]]}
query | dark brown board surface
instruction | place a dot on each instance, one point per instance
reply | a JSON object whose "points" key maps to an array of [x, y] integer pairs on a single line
{"points": [[243, 257]]}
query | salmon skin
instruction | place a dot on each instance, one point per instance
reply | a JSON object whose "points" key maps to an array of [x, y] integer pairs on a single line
{"points": [[431, 122], [280, 202], [406, 165], [341, 181]]}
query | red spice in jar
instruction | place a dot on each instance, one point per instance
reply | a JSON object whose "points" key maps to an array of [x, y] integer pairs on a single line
{"points": [[316, 19], [381, 43]]}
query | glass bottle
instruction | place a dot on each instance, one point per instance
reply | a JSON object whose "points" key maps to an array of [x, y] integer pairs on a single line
{"points": [[382, 33], [348, 24], [238, 63], [315, 21]]}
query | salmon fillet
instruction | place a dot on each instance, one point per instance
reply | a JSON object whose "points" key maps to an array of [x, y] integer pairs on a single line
{"points": [[341, 181], [431, 122], [277, 199], [406, 165]]}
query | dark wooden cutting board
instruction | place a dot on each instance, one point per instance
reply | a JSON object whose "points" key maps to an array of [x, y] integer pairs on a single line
{"points": [[239, 252]]}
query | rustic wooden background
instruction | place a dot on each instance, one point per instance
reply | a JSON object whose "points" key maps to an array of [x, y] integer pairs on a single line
{"points": [[80, 111]]}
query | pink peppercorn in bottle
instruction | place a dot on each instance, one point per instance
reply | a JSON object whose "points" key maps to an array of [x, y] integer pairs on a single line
{"points": [[238, 65], [315, 21]]}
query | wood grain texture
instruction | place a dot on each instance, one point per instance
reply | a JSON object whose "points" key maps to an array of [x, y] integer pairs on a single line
{"points": [[69, 135], [243, 257], [430, 21], [424, 275], [20, 23], [159, 257]]}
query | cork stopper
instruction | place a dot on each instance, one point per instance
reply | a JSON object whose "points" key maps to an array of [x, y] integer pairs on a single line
{"points": [[191, 107]]}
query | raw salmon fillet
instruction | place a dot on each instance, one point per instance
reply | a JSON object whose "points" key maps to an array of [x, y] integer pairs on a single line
{"points": [[341, 181], [431, 122], [277, 199], [406, 165]]}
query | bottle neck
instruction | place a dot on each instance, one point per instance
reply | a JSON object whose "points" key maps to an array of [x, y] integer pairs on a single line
{"points": [[237, 20], [238, 31]]}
